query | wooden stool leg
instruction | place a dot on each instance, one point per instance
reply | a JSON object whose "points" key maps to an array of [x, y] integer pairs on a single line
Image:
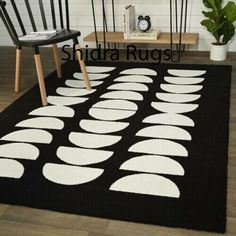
{"points": [[17, 71], [39, 69], [82, 67], [57, 60]]}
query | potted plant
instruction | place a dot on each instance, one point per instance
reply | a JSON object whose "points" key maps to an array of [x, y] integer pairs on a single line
{"points": [[220, 23]]}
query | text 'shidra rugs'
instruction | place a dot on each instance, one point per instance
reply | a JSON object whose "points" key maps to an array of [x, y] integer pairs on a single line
{"points": [[147, 144]]}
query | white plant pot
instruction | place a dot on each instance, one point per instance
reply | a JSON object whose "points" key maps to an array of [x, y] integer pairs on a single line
{"points": [[218, 52]]}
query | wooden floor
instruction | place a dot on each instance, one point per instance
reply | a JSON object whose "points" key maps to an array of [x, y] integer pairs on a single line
{"points": [[21, 221]]}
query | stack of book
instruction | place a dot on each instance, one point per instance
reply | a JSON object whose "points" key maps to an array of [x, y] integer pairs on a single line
{"points": [[129, 26], [128, 20], [151, 34]]}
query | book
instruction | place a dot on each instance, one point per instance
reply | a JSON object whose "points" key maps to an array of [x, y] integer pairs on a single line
{"points": [[152, 34], [125, 18], [40, 35], [128, 20]]}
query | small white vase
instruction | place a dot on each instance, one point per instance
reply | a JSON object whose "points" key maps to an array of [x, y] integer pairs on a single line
{"points": [[218, 52]]}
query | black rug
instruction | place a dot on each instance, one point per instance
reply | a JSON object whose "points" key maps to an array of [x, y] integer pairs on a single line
{"points": [[149, 144]]}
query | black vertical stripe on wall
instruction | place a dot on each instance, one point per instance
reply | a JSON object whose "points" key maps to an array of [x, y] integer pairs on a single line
{"points": [[53, 14], [18, 17], [60, 12], [8, 23], [43, 14], [30, 15], [7, 26], [67, 15]]}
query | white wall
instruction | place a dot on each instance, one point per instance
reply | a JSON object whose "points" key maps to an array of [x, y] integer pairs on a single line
{"points": [[81, 18]]}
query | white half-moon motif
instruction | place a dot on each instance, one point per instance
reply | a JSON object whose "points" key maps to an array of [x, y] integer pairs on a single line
{"points": [[153, 164], [171, 97], [80, 156], [169, 119], [99, 69], [70, 175], [42, 123], [129, 87], [93, 140], [80, 84], [159, 147], [164, 131], [110, 115], [74, 92], [102, 127], [126, 95], [134, 79], [183, 80], [173, 88], [117, 105], [19, 151], [65, 101], [147, 184], [187, 73], [174, 107], [139, 71], [54, 111], [11, 169], [29, 135], [91, 76]]}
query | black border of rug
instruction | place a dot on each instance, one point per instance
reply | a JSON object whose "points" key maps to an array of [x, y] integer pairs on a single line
{"points": [[214, 108]]}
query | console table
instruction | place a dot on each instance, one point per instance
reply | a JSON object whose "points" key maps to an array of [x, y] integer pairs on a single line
{"points": [[177, 34]]}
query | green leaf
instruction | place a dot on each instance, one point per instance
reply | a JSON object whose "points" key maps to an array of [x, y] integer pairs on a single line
{"points": [[230, 11], [219, 4], [206, 3], [211, 15], [228, 31], [211, 27], [213, 4], [208, 24], [220, 21]]}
